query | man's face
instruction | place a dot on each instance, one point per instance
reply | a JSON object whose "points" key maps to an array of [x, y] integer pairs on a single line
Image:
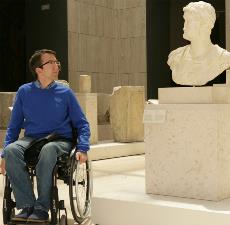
{"points": [[191, 26], [50, 67]]}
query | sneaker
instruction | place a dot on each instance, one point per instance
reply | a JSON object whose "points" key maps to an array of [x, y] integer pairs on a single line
{"points": [[38, 216], [24, 214]]}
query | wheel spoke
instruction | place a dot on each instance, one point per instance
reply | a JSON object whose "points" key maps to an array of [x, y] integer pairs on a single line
{"points": [[80, 199]]}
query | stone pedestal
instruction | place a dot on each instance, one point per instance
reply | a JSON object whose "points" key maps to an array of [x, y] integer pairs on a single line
{"points": [[188, 150], [6, 101], [219, 93], [126, 113], [88, 102], [85, 84], [185, 95]]}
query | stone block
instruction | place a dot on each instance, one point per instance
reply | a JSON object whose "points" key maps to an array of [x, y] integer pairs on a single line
{"points": [[92, 21], [94, 82], [125, 78], [126, 113], [125, 55], [99, 21], [227, 77], [82, 48], [105, 132], [3, 134], [73, 51], [187, 150], [90, 46], [85, 84], [218, 93], [134, 3], [120, 4], [221, 94], [138, 61], [87, 2], [138, 79], [111, 4], [98, 60], [103, 108], [2, 137], [109, 55], [88, 102], [101, 2], [84, 12], [105, 82], [132, 21], [123, 19], [185, 95], [109, 25], [6, 101], [72, 15], [73, 80]]}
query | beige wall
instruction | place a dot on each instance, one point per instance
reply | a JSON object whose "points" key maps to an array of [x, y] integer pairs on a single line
{"points": [[107, 40], [227, 24]]}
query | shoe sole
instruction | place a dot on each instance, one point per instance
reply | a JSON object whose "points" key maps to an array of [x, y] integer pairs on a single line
{"points": [[19, 219]]}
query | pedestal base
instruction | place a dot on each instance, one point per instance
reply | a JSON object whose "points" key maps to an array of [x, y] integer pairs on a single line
{"points": [[188, 150], [126, 204]]}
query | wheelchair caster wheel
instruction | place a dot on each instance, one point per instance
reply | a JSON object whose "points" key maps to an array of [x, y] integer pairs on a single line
{"points": [[63, 220]]}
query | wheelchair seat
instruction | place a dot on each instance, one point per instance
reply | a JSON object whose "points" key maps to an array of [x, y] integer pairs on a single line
{"points": [[77, 176]]}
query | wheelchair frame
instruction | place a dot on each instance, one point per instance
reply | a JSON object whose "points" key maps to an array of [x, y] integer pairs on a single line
{"points": [[77, 176]]}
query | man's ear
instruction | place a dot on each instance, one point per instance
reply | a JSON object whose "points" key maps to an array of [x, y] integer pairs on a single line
{"points": [[38, 70]]}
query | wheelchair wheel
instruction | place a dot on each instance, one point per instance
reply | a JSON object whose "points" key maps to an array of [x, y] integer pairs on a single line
{"points": [[80, 190], [8, 210]]}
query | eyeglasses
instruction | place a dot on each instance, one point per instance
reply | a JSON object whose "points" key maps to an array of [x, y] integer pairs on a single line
{"points": [[52, 62]]}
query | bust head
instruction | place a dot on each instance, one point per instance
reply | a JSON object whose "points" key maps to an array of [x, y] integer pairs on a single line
{"points": [[199, 17]]}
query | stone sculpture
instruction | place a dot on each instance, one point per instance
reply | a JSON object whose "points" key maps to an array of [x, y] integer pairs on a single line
{"points": [[200, 61], [126, 113]]}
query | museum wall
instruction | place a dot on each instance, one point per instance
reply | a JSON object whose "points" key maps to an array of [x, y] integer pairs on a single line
{"points": [[107, 40]]}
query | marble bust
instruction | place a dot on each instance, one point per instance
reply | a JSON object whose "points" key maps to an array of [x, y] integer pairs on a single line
{"points": [[200, 61]]}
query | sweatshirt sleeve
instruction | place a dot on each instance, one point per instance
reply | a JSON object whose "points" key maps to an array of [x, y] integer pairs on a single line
{"points": [[79, 122], [16, 121]]}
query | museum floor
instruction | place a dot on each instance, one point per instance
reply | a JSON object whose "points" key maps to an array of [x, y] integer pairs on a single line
{"points": [[119, 199], [108, 175]]}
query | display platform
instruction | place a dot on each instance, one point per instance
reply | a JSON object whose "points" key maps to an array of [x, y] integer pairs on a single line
{"points": [[131, 206]]}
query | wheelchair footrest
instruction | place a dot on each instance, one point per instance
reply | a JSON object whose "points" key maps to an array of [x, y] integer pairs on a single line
{"points": [[28, 223]]}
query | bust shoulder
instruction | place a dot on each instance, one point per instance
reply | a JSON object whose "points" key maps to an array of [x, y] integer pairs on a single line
{"points": [[176, 55], [223, 53], [222, 57]]}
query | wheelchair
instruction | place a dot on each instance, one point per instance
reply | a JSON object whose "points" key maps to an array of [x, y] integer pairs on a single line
{"points": [[77, 176]]}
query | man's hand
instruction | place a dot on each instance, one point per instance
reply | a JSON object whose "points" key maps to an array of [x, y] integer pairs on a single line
{"points": [[81, 157], [3, 166]]}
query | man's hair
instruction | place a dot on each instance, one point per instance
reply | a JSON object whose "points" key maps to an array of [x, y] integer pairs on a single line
{"points": [[35, 60], [205, 12]]}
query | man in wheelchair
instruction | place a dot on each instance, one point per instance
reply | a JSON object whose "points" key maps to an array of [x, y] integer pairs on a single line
{"points": [[41, 107]]}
